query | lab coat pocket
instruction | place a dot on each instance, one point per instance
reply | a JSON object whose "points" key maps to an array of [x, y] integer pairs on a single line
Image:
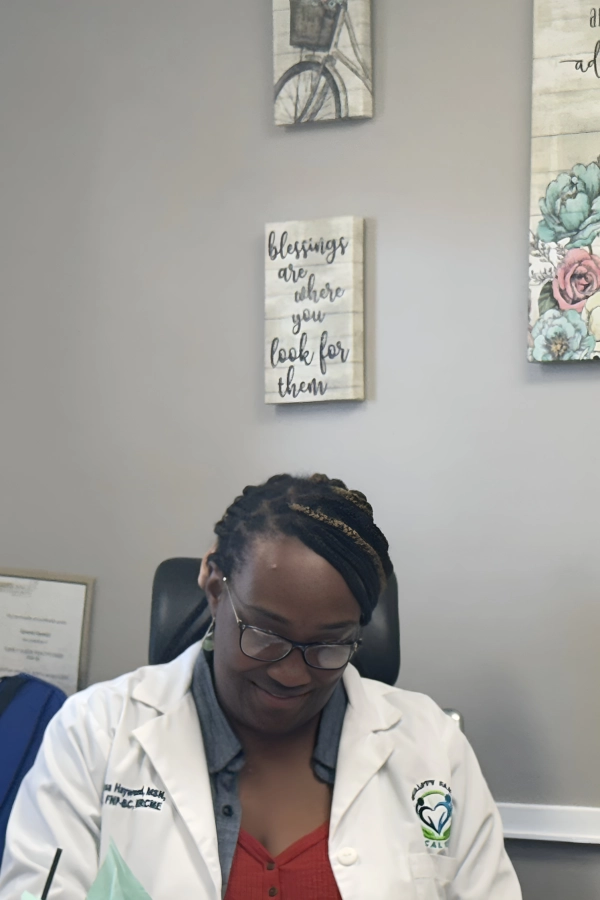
{"points": [[431, 873]]}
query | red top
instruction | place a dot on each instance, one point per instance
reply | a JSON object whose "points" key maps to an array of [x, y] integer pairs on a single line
{"points": [[300, 872]]}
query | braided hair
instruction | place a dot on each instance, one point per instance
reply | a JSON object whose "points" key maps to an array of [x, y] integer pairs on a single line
{"points": [[335, 522]]}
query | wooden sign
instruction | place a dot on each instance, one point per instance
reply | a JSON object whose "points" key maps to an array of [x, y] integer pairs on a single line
{"points": [[564, 257], [322, 60], [314, 329]]}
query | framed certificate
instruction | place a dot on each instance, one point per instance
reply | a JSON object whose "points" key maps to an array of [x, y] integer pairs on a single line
{"points": [[44, 626]]}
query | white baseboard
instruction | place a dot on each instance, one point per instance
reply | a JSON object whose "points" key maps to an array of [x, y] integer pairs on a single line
{"points": [[576, 824]]}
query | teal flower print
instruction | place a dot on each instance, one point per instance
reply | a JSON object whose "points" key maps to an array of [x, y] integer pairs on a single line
{"points": [[559, 335], [571, 207]]}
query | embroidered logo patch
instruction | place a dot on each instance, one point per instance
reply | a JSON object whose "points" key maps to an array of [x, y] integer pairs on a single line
{"points": [[433, 805]]}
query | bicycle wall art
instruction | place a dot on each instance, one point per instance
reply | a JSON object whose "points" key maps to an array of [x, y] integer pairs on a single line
{"points": [[564, 247], [314, 302], [322, 60]]}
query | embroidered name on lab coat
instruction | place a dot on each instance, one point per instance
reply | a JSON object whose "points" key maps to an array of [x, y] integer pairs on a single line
{"points": [[133, 798]]}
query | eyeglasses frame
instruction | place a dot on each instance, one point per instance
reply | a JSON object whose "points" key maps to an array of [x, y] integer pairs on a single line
{"points": [[294, 645]]}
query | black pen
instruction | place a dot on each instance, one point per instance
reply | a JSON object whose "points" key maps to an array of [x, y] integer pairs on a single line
{"points": [[51, 874]]}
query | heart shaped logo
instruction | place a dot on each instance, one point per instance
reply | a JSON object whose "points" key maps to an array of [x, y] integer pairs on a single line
{"points": [[433, 804], [436, 817]]}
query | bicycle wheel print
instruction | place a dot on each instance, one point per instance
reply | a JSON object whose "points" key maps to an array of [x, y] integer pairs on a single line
{"points": [[307, 92]]}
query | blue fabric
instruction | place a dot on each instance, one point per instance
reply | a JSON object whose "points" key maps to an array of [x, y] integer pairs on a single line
{"points": [[22, 726]]}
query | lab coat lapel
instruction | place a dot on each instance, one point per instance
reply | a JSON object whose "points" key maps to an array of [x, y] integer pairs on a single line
{"points": [[173, 743], [365, 745]]}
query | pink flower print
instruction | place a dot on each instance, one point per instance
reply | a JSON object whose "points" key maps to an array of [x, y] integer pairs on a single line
{"points": [[577, 279]]}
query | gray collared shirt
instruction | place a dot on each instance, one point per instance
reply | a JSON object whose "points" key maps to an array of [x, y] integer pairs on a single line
{"points": [[225, 757]]}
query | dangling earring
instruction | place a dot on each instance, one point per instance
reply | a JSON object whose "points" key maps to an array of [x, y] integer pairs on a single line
{"points": [[208, 643]]}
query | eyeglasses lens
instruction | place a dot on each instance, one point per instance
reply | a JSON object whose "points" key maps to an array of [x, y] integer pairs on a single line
{"points": [[270, 648], [267, 647], [324, 656]]}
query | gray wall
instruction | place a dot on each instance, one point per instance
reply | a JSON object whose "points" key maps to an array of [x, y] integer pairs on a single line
{"points": [[138, 166]]}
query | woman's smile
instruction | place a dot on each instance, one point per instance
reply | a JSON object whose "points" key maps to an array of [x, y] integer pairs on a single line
{"points": [[281, 700]]}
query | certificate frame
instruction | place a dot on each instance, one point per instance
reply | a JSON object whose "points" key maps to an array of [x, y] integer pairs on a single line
{"points": [[83, 632]]}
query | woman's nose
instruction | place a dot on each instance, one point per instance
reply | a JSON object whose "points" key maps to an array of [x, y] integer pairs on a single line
{"points": [[291, 672]]}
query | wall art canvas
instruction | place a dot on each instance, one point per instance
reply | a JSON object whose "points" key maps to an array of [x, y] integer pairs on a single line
{"points": [[322, 60], [564, 252], [314, 324]]}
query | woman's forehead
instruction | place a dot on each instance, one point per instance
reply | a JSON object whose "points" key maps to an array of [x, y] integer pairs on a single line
{"points": [[282, 576]]}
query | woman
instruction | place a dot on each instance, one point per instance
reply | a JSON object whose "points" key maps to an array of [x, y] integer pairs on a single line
{"points": [[262, 764]]}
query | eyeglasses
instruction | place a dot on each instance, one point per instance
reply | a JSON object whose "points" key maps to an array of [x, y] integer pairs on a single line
{"points": [[266, 646]]}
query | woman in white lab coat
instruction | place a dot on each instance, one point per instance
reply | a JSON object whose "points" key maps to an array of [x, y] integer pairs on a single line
{"points": [[262, 764]]}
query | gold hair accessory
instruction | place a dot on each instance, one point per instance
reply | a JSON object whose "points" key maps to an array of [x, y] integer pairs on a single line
{"points": [[341, 526]]}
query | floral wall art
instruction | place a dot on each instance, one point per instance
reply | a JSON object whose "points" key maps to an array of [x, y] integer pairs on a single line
{"points": [[564, 252]]}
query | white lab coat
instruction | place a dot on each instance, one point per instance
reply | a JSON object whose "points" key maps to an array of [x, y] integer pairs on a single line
{"points": [[140, 734]]}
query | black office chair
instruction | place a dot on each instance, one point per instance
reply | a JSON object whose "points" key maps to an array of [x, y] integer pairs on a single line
{"points": [[180, 616]]}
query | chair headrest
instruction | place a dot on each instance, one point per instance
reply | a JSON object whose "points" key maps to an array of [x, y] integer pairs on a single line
{"points": [[180, 616]]}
